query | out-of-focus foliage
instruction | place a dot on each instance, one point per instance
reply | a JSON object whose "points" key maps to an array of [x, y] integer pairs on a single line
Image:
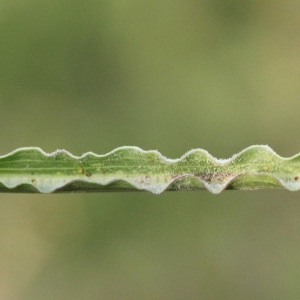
{"points": [[95, 75]]}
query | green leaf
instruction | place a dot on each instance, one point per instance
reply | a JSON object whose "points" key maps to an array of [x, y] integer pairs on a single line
{"points": [[131, 168]]}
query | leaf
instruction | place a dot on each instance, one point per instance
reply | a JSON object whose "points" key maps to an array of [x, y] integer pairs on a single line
{"points": [[131, 168]]}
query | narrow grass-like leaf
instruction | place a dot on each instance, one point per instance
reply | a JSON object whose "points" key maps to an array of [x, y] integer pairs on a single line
{"points": [[131, 168]]}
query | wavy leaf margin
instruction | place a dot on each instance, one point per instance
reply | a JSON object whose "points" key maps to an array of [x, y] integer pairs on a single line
{"points": [[126, 168]]}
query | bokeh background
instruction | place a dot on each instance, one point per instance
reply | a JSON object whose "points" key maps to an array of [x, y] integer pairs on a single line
{"points": [[168, 75]]}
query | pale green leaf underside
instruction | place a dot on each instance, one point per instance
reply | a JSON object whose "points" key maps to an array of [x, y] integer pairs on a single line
{"points": [[131, 168]]}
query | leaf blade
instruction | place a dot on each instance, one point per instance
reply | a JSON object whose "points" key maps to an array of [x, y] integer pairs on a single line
{"points": [[131, 168]]}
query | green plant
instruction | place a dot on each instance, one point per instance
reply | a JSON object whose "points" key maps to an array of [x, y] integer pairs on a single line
{"points": [[131, 168]]}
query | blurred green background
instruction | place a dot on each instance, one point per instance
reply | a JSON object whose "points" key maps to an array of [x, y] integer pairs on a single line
{"points": [[168, 75]]}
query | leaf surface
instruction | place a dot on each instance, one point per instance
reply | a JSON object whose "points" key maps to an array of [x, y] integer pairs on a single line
{"points": [[131, 168]]}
